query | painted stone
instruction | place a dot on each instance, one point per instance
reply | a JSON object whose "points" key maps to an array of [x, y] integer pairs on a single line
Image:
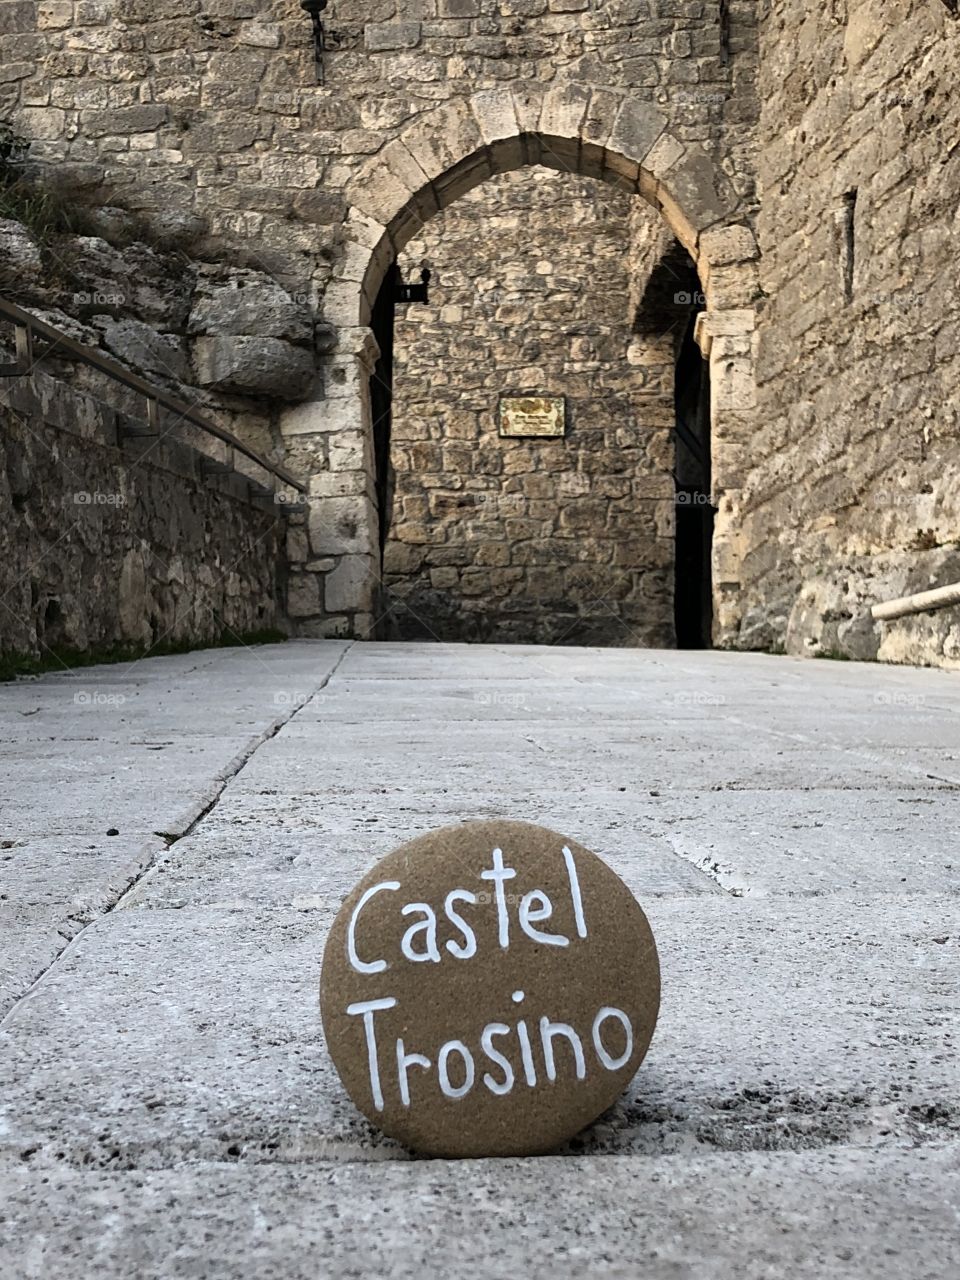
{"points": [[488, 990]]}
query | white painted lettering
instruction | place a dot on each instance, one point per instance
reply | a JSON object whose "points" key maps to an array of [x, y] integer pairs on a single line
{"points": [[575, 894], [529, 912], [362, 966], [446, 1088], [427, 926], [404, 1062], [462, 950], [499, 1087], [367, 1008], [526, 1054], [611, 1063], [498, 874], [550, 1029]]}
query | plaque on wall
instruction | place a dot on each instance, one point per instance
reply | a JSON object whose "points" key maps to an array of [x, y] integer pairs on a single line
{"points": [[533, 415]]}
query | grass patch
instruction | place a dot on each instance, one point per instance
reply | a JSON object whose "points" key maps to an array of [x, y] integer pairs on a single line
{"points": [[14, 666]]}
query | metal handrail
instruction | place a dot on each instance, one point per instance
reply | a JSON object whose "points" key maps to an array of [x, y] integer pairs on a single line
{"points": [[28, 327]]}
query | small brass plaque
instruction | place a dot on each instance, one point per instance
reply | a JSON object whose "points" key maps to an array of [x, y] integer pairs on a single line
{"points": [[533, 415]]}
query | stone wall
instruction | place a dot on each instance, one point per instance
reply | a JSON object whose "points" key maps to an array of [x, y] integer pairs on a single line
{"points": [[855, 496], [103, 545], [541, 541], [212, 111]]}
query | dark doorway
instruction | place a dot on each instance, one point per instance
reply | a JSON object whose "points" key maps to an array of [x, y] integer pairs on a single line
{"points": [[381, 394], [693, 596]]}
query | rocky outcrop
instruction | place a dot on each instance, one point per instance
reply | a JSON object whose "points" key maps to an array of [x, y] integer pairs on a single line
{"points": [[189, 325], [249, 336]]}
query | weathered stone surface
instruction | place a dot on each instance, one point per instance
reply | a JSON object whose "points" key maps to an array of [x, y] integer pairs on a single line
{"points": [[19, 253], [232, 302], [60, 868], [170, 1066], [853, 498], [102, 547], [898, 1222], [383, 37], [525, 539], [252, 366], [160, 355], [855, 352]]}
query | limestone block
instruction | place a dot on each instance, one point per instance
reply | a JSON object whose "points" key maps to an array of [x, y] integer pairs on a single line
{"points": [[384, 37], [321, 207], [142, 118], [360, 229], [734, 286], [402, 164], [297, 546], [722, 246], [350, 451], [311, 417], [349, 587], [339, 484], [40, 122], [735, 323], [443, 137], [260, 35], [303, 595], [378, 192], [253, 366], [636, 128], [563, 111], [342, 526], [694, 195], [344, 303], [527, 106], [54, 15], [494, 112], [231, 301]]}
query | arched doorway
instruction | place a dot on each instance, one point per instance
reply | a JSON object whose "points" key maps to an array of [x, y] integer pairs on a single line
{"points": [[576, 128], [543, 283]]}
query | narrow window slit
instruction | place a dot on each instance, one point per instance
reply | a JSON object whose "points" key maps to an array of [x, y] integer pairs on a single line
{"points": [[848, 242]]}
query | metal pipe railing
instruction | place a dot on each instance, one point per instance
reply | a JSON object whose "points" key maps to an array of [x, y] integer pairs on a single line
{"points": [[919, 602], [28, 328]]}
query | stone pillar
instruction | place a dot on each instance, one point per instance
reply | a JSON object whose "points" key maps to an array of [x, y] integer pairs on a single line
{"points": [[726, 339], [334, 587]]}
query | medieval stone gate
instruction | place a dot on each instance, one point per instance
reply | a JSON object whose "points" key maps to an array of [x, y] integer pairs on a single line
{"points": [[577, 128]]}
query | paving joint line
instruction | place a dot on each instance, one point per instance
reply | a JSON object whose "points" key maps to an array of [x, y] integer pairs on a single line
{"points": [[220, 783]]}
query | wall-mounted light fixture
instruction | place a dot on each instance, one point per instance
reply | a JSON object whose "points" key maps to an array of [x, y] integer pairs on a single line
{"points": [[403, 293], [314, 8]]}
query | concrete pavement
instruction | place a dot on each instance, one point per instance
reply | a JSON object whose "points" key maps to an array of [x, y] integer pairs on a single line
{"points": [[166, 1105]]}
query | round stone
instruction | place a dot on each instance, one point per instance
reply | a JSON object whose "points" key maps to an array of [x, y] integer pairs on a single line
{"points": [[488, 990]]}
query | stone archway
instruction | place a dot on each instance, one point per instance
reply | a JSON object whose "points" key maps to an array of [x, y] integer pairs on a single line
{"points": [[585, 129]]}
